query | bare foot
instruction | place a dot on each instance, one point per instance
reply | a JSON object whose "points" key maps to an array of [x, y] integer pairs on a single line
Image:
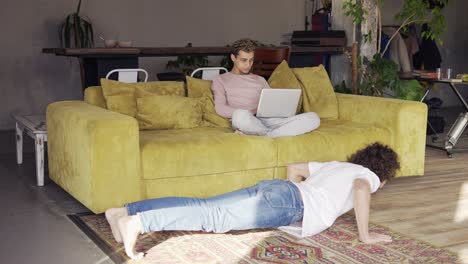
{"points": [[112, 216], [130, 227], [239, 132]]}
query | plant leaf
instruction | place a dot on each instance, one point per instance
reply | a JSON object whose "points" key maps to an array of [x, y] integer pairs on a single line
{"points": [[79, 7], [82, 34], [67, 32], [89, 33], [60, 33], [76, 27]]}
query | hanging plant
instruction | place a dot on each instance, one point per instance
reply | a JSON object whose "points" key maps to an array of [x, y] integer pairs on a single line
{"points": [[76, 29]]}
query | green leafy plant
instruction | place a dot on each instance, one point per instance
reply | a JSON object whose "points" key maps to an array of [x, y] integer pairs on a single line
{"points": [[410, 90], [354, 10], [378, 73], [327, 5], [341, 88], [76, 29], [417, 12], [188, 63]]}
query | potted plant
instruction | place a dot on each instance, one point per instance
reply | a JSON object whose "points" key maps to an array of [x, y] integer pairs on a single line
{"points": [[77, 30], [186, 64], [378, 73]]}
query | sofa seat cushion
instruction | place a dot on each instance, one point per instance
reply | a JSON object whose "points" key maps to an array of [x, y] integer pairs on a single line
{"points": [[333, 140], [202, 150], [206, 185]]}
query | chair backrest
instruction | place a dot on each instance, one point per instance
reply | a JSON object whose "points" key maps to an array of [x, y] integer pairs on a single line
{"points": [[267, 59], [128, 75], [209, 73]]}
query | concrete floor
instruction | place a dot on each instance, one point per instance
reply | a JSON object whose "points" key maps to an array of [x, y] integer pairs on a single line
{"points": [[34, 224]]}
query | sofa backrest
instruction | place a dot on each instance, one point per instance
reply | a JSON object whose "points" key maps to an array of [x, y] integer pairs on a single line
{"points": [[93, 95]]}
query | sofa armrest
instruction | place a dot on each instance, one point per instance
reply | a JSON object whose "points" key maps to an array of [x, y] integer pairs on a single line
{"points": [[406, 120], [94, 154]]}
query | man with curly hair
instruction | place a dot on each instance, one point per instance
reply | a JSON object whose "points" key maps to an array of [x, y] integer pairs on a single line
{"points": [[237, 93], [313, 197]]}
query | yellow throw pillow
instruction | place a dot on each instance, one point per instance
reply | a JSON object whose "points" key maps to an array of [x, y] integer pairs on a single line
{"points": [[283, 77], [210, 117], [318, 93], [168, 112], [197, 88], [120, 97], [93, 95], [124, 104]]}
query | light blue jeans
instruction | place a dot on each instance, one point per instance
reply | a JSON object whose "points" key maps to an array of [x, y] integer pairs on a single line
{"points": [[268, 204]]}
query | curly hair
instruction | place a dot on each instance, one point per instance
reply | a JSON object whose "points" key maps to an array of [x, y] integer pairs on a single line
{"points": [[378, 158], [245, 44]]}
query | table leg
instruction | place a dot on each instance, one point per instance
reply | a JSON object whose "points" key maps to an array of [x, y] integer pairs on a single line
{"points": [[435, 134], [19, 144], [458, 127], [40, 159], [460, 97]]}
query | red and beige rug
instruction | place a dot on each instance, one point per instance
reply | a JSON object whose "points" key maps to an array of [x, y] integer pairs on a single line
{"points": [[338, 244]]}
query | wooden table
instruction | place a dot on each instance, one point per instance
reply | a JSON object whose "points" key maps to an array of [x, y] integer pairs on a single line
{"points": [[95, 63], [459, 126]]}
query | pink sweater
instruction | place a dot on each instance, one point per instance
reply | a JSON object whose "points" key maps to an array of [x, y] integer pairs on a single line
{"points": [[233, 91]]}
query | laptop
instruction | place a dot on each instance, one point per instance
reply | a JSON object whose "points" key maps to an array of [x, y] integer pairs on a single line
{"points": [[278, 102]]}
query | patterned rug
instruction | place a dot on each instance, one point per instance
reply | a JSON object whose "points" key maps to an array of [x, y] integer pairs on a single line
{"points": [[338, 244]]}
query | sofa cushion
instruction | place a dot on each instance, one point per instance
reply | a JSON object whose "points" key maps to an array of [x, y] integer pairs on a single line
{"points": [[197, 88], [205, 185], [318, 93], [203, 150], [93, 96], [120, 97], [283, 77], [333, 140], [168, 112], [122, 103]]}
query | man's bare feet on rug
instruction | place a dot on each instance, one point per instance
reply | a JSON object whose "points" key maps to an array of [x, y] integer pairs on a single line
{"points": [[130, 228], [112, 216]]}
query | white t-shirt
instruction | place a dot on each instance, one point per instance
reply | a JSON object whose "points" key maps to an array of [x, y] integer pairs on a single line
{"points": [[328, 193]]}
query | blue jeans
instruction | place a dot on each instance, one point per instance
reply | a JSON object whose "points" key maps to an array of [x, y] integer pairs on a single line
{"points": [[268, 204]]}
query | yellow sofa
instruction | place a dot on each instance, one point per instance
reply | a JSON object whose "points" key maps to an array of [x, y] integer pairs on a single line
{"points": [[103, 160]]}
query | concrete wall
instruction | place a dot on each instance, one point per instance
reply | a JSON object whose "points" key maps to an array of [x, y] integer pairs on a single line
{"points": [[30, 80]]}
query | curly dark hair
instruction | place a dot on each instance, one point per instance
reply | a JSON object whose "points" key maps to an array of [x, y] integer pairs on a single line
{"points": [[378, 158], [245, 44]]}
